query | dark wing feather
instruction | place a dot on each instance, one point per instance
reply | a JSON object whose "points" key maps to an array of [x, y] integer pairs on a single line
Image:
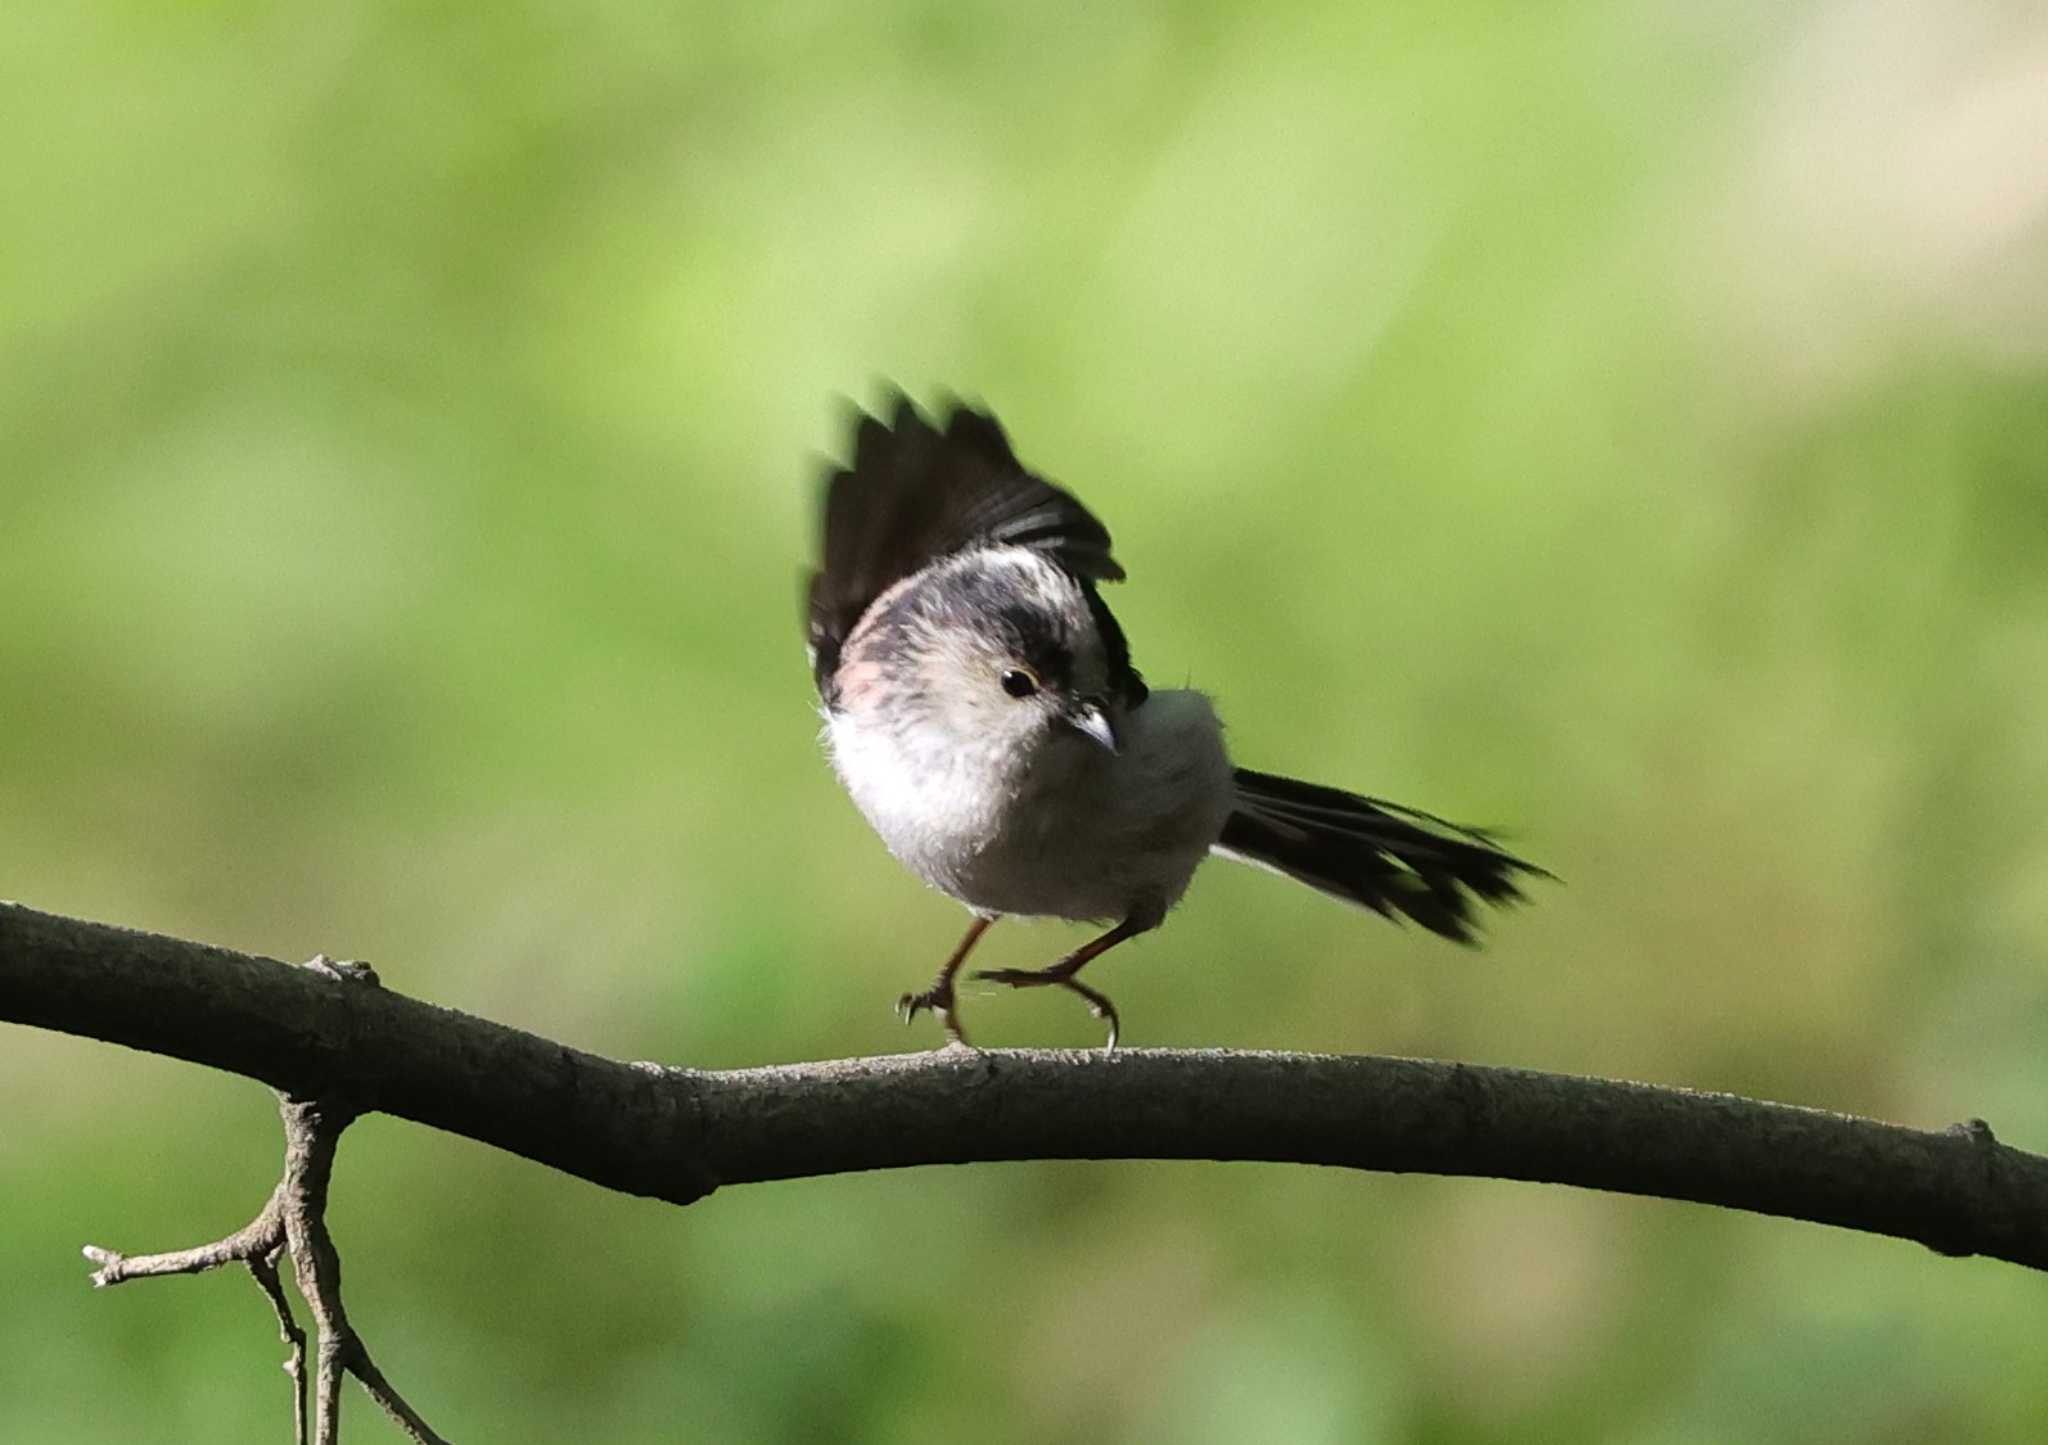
{"points": [[913, 494]]}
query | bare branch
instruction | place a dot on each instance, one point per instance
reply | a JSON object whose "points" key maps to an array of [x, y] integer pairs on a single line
{"points": [[262, 1237], [312, 1130], [265, 1271], [294, 1221], [675, 1134], [256, 1244]]}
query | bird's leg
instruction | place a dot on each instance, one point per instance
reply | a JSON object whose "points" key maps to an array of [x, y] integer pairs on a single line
{"points": [[939, 997], [1061, 974]]}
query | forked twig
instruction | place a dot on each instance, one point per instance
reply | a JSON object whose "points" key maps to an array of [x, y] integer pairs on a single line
{"points": [[294, 1222], [256, 1244]]}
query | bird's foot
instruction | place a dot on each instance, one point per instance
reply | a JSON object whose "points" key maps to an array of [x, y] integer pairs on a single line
{"points": [[939, 1001], [1061, 975]]}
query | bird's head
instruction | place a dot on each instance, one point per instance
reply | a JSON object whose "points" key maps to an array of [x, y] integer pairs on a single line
{"points": [[992, 650]]}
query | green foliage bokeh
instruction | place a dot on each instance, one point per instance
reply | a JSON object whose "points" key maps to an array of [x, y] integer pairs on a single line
{"points": [[1620, 422]]}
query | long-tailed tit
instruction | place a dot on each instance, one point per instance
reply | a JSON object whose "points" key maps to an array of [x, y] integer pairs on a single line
{"points": [[981, 707]]}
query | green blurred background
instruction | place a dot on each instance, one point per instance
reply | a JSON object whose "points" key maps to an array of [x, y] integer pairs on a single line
{"points": [[1623, 422]]}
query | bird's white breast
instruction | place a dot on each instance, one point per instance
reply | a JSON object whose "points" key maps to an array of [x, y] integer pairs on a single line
{"points": [[1072, 831]]}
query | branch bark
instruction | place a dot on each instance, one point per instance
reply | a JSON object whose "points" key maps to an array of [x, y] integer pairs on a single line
{"points": [[676, 1134]]}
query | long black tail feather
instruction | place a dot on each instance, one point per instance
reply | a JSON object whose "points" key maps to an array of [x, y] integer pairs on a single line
{"points": [[1396, 861]]}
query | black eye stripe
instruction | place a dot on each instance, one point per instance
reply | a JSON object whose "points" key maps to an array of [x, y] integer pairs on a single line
{"points": [[1019, 682]]}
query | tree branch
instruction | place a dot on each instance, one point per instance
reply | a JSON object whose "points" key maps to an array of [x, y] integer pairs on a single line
{"points": [[675, 1134], [264, 1268], [294, 1221], [256, 1244]]}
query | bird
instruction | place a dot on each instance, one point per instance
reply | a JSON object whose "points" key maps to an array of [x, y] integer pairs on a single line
{"points": [[981, 708]]}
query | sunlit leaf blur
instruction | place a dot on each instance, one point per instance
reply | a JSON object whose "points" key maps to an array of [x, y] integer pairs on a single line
{"points": [[1622, 423]]}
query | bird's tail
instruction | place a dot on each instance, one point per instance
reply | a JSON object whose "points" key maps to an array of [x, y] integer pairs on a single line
{"points": [[1390, 859]]}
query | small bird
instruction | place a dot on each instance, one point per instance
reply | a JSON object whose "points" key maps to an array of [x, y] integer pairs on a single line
{"points": [[981, 707]]}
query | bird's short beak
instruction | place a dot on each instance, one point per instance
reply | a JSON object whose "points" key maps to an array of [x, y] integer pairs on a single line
{"points": [[1090, 718]]}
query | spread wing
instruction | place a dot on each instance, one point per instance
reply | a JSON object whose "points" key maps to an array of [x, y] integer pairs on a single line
{"points": [[914, 493]]}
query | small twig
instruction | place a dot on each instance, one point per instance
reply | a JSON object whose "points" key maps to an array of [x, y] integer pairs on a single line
{"points": [[264, 1268], [294, 1222], [261, 1236], [256, 1244], [312, 1130]]}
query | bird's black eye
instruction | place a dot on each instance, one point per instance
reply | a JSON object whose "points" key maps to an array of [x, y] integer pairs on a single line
{"points": [[1020, 682]]}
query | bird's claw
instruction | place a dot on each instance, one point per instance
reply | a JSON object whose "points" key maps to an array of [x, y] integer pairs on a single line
{"points": [[1059, 976], [1103, 1009], [937, 1001]]}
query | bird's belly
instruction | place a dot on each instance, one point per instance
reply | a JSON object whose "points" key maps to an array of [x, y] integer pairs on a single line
{"points": [[1083, 834], [1073, 866], [993, 852]]}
